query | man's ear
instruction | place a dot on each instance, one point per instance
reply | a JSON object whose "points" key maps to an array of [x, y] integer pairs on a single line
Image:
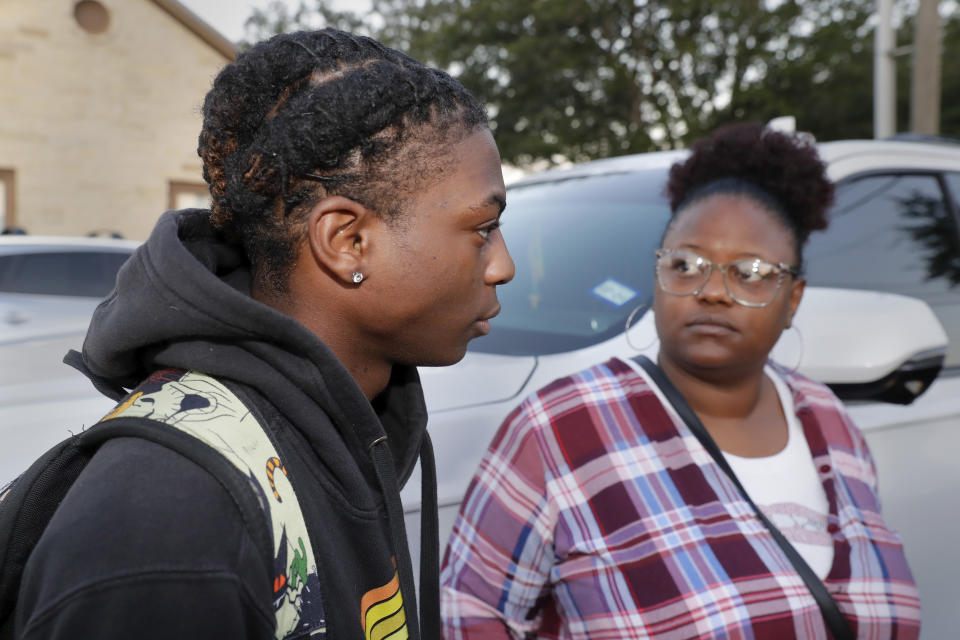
{"points": [[337, 235], [796, 294]]}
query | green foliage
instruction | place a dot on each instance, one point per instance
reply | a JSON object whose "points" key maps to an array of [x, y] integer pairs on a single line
{"points": [[582, 79], [278, 18], [823, 75], [591, 78]]}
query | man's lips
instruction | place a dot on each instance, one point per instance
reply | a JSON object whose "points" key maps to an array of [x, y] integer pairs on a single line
{"points": [[492, 314], [484, 322]]}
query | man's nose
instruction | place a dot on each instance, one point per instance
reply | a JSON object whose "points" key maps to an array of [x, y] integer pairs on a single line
{"points": [[500, 268]]}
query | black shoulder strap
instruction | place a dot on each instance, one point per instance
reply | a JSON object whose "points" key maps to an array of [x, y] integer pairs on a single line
{"points": [[832, 615]]}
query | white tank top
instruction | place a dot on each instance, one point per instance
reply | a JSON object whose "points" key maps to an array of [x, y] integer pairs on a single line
{"points": [[788, 490]]}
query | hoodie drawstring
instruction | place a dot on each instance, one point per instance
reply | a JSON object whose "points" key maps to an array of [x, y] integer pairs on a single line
{"points": [[430, 546], [429, 543]]}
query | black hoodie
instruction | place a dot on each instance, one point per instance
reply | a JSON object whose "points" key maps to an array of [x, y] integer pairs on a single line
{"points": [[147, 544]]}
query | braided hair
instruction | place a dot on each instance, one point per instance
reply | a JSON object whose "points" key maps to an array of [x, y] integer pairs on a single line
{"points": [[311, 114], [780, 171]]}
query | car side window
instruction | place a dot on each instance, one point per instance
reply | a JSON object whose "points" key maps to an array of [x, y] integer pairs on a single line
{"points": [[893, 233], [66, 273], [952, 179]]}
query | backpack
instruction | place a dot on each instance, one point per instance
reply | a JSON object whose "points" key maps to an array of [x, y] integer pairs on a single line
{"points": [[198, 417]]}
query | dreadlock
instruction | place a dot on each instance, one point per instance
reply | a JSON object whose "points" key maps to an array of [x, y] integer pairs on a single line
{"points": [[306, 115]]}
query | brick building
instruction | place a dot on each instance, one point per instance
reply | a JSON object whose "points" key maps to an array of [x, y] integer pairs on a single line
{"points": [[100, 112]]}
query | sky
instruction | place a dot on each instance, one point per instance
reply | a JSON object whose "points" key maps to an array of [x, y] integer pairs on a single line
{"points": [[228, 16]]}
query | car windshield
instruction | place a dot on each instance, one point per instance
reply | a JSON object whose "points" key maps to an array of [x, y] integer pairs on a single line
{"points": [[583, 249]]}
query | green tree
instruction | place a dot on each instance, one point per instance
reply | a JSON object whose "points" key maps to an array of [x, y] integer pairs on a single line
{"points": [[822, 73], [591, 78], [583, 79]]}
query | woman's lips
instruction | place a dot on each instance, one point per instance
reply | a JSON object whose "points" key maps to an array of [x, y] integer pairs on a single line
{"points": [[712, 325]]}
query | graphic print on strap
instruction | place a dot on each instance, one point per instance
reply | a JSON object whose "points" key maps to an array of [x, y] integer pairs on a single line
{"points": [[206, 409]]}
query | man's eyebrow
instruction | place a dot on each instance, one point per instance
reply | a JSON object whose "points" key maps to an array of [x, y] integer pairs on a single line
{"points": [[495, 200]]}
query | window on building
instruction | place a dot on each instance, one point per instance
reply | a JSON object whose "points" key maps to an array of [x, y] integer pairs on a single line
{"points": [[188, 195], [92, 16]]}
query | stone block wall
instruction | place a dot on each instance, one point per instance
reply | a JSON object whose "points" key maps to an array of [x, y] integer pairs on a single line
{"points": [[96, 126]]}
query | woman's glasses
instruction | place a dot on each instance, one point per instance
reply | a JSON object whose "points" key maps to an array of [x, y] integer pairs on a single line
{"points": [[751, 282]]}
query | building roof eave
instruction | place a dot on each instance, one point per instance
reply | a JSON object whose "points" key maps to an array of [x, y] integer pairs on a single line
{"points": [[195, 23]]}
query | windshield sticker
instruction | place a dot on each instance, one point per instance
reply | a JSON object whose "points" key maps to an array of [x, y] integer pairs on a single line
{"points": [[614, 293]]}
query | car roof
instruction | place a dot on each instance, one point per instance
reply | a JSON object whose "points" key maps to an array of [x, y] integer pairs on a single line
{"points": [[619, 164], [908, 153], [905, 153], [27, 243]]}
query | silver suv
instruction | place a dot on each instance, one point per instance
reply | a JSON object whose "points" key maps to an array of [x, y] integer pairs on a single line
{"points": [[882, 303]]}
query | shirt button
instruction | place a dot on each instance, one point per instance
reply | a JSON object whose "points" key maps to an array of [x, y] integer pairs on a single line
{"points": [[825, 468]]}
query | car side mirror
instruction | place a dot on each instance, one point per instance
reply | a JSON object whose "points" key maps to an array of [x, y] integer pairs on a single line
{"points": [[865, 345], [901, 386]]}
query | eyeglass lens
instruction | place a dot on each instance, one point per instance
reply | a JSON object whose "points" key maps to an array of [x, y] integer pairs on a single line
{"points": [[750, 281]]}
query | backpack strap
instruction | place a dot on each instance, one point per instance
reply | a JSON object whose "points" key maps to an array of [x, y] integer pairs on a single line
{"points": [[194, 406], [28, 504]]}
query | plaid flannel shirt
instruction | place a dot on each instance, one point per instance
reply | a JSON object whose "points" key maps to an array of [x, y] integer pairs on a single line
{"points": [[597, 514]]}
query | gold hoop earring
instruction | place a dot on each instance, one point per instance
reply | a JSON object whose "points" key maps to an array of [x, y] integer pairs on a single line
{"points": [[626, 330]]}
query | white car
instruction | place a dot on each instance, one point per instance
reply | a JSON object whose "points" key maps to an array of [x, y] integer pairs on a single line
{"points": [[49, 288], [51, 285], [882, 302]]}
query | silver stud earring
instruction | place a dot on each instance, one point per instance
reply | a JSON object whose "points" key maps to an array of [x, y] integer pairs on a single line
{"points": [[357, 277]]}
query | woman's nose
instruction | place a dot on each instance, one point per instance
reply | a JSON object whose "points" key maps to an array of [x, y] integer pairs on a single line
{"points": [[715, 288]]}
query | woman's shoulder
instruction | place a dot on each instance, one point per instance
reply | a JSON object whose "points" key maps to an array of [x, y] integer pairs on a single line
{"points": [[807, 392], [602, 384], [815, 400]]}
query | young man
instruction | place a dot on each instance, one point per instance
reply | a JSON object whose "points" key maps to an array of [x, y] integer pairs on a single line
{"points": [[353, 235]]}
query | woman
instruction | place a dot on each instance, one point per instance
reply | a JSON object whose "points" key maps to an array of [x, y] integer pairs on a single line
{"points": [[596, 513], [353, 235]]}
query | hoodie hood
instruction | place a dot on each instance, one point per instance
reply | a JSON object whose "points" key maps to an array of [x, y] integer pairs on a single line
{"points": [[183, 301]]}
